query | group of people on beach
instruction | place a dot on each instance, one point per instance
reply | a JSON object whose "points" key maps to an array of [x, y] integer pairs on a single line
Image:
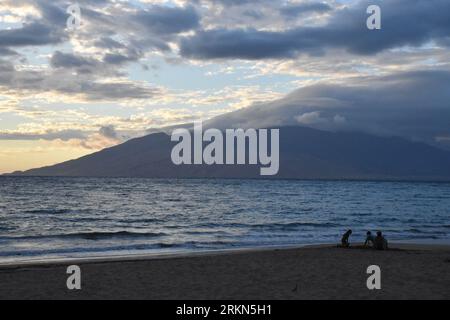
{"points": [[377, 242]]}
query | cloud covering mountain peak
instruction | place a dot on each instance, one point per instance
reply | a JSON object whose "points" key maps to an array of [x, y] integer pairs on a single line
{"points": [[412, 105]]}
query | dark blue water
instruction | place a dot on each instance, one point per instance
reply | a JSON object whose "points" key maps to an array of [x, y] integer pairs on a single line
{"points": [[73, 217]]}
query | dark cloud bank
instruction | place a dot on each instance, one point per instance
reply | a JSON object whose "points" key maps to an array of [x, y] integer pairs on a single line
{"points": [[413, 105], [404, 22]]}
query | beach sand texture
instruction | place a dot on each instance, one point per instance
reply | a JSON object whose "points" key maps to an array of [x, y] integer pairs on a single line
{"points": [[321, 272]]}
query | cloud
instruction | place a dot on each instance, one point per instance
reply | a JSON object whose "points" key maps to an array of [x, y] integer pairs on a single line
{"points": [[168, 20], [310, 118], [109, 132], [295, 10], [403, 23], [112, 35], [235, 2], [68, 60], [32, 34], [51, 12], [224, 30], [108, 91], [7, 52], [413, 105], [63, 135], [79, 89], [87, 84], [105, 137]]}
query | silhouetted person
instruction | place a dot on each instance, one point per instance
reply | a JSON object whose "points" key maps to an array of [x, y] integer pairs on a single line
{"points": [[380, 242], [369, 239], [345, 238]]}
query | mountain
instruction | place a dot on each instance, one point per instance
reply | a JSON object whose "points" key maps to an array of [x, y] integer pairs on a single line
{"points": [[305, 153]]}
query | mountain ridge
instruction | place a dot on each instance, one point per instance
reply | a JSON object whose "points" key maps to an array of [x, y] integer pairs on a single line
{"points": [[305, 153]]}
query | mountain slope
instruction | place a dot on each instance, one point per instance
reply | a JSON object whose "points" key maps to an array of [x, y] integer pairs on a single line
{"points": [[305, 153]]}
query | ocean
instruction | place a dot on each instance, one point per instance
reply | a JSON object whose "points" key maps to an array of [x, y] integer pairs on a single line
{"points": [[43, 218]]}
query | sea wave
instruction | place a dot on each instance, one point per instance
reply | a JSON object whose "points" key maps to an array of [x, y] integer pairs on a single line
{"points": [[89, 235], [78, 216]]}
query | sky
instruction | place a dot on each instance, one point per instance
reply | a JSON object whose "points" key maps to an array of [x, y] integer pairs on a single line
{"points": [[133, 66]]}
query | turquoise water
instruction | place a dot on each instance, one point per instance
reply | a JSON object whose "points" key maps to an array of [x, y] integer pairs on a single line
{"points": [[79, 217]]}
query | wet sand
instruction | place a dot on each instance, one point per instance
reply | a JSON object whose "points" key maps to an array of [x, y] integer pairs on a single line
{"points": [[316, 272]]}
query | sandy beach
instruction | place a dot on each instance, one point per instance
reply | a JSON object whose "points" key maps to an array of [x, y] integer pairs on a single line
{"points": [[316, 272]]}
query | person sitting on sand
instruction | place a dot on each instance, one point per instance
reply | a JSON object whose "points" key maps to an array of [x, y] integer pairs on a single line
{"points": [[380, 242], [369, 239], [345, 237]]}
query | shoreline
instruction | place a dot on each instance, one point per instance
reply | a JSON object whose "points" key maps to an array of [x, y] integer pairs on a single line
{"points": [[409, 271], [176, 254]]}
